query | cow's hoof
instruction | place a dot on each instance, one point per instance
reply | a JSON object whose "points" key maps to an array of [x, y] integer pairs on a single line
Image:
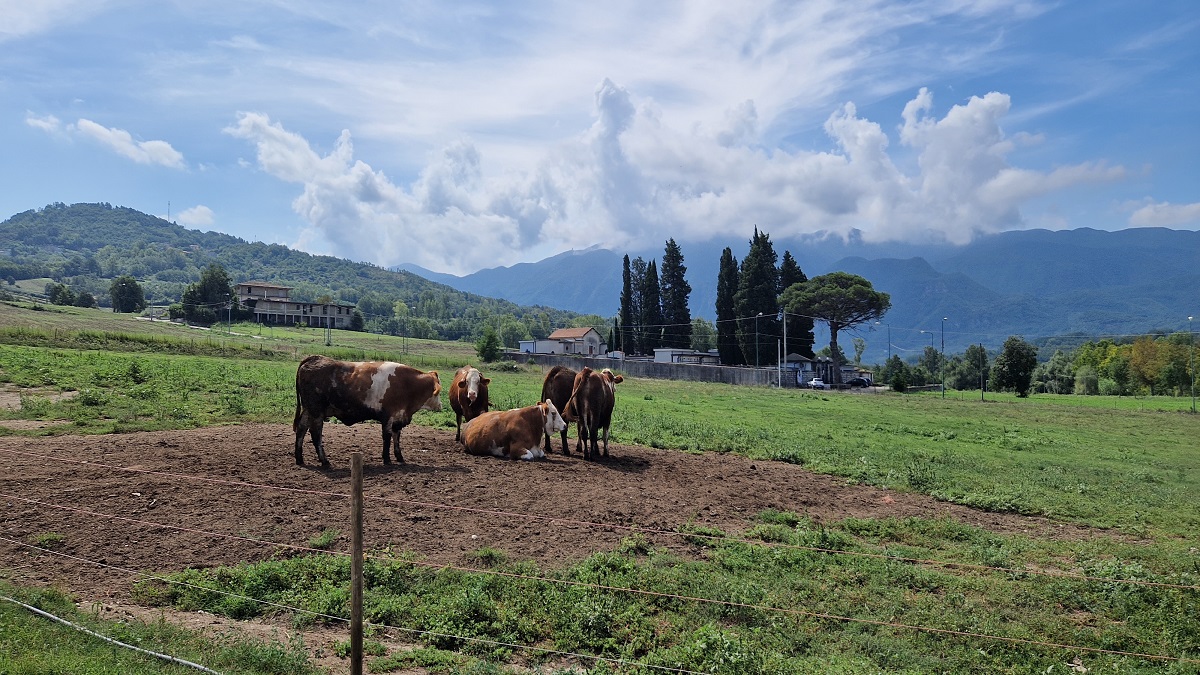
{"points": [[326, 465]]}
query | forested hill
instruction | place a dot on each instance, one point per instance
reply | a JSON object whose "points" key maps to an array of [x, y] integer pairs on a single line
{"points": [[86, 245]]}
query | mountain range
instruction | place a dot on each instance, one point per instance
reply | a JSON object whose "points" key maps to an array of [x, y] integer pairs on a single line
{"points": [[1048, 286], [1039, 284]]}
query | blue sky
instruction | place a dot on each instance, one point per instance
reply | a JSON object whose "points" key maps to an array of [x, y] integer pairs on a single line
{"points": [[466, 135]]}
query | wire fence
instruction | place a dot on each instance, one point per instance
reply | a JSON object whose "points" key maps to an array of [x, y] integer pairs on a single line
{"points": [[147, 525]]}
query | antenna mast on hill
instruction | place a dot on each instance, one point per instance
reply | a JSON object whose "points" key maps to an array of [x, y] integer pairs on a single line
{"points": [[168, 210]]}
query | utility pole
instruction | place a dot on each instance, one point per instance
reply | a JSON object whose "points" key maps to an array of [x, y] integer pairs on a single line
{"points": [[756, 339], [943, 357]]}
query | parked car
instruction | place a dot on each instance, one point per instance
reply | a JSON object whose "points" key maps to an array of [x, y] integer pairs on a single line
{"points": [[816, 383], [858, 382]]}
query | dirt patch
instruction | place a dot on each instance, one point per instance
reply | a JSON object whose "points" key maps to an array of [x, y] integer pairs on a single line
{"points": [[10, 397], [442, 504]]}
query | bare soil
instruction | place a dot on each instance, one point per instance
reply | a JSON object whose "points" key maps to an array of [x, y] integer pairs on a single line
{"points": [[163, 501]]}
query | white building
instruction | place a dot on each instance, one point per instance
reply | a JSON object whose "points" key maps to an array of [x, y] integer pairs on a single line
{"points": [[583, 341]]}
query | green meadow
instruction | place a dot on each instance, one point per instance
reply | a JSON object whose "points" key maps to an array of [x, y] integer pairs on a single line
{"points": [[1130, 467]]}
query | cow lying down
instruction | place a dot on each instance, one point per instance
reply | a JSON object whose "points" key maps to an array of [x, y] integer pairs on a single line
{"points": [[516, 433]]}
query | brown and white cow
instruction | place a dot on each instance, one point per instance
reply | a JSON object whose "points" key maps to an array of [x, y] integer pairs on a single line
{"points": [[468, 396], [591, 407], [556, 388], [516, 433], [355, 391]]}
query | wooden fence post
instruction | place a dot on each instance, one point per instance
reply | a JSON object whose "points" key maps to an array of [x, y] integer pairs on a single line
{"points": [[356, 564]]}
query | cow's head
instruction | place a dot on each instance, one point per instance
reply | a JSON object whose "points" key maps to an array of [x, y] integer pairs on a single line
{"points": [[472, 382], [434, 404], [554, 421], [610, 379]]}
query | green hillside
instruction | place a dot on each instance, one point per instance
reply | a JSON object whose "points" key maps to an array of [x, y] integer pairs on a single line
{"points": [[85, 246]]}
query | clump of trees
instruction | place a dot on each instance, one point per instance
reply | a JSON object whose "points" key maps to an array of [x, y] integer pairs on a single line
{"points": [[61, 294], [654, 309], [750, 316]]}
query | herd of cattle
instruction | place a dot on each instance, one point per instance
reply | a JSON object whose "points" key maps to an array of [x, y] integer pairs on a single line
{"points": [[391, 393]]}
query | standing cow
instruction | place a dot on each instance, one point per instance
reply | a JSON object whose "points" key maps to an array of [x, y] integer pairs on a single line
{"points": [[591, 407], [556, 388], [355, 391], [516, 434], [468, 396]]}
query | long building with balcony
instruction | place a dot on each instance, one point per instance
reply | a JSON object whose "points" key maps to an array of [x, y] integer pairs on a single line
{"points": [[272, 305]]}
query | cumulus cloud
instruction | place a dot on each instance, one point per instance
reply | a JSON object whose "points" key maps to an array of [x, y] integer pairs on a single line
{"points": [[118, 140], [197, 216], [1165, 214], [632, 180]]}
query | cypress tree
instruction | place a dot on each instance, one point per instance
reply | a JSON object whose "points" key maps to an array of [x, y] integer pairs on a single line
{"points": [[652, 316], [758, 283], [637, 330], [675, 291], [800, 337], [728, 348], [626, 332]]}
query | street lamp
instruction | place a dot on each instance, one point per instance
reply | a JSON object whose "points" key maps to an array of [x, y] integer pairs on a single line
{"points": [[756, 339], [944, 356], [889, 331]]}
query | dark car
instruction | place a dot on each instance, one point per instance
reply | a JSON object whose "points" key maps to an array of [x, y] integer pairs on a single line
{"points": [[858, 382]]}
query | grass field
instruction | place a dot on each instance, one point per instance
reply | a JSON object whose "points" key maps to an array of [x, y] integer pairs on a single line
{"points": [[1131, 465]]}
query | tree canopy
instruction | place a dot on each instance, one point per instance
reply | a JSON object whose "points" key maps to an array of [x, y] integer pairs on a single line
{"points": [[841, 300], [126, 294], [1013, 368]]}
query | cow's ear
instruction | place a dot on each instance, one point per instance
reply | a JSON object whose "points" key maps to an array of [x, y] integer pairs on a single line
{"points": [[618, 379], [485, 381], [462, 384]]}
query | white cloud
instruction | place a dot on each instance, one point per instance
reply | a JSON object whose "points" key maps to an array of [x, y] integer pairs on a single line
{"points": [[123, 143], [1165, 214], [22, 18], [49, 124], [633, 180], [117, 140], [197, 216]]}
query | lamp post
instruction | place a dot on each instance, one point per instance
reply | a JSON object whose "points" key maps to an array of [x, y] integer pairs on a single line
{"points": [[1191, 361], [889, 334], [944, 356], [756, 339]]}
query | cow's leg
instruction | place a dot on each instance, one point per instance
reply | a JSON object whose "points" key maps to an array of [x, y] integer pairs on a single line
{"points": [[300, 426], [387, 441], [606, 441], [593, 435], [458, 428], [396, 429], [318, 438], [566, 448]]}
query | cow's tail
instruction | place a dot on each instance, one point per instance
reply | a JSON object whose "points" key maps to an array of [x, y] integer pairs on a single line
{"points": [[571, 408], [299, 405]]}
